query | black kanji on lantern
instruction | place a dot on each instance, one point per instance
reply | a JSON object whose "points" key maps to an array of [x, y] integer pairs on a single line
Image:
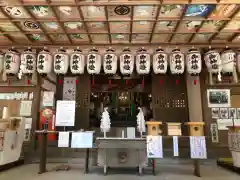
{"points": [[41, 61], [75, 67], [160, 62], [29, 61], [8, 60], [142, 62], [109, 62], [213, 61], [194, 62], [126, 62], [58, 59], [75, 62], [178, 61], [92, 62]]}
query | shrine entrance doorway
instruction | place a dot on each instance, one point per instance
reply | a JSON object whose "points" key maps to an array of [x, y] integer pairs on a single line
{"points": [[122, 96]]}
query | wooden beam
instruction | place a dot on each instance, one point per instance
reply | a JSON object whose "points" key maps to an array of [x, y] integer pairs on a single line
{"points": [[155, 23], [17, 25], [233, 37], [131, 24], [84, 22], [121, 45], [180, 21], [59, 22], [107, 24], [224, 24], [40, 25]]}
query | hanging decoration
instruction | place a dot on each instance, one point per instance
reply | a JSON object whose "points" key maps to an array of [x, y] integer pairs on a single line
{"points": [[44, 62], [94, 62], [12, 62], [105, 125], [126, 62], [110, 62], [1, 61], [213, 61], [61, 62], [28, 61], [141, 121], [160, 62], [77, 62], [194, 61], [143, 61], [177, 61], [228, 58]]}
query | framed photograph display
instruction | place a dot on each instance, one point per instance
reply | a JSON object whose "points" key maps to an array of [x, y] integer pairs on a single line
{"points": [[238, 113], [232, 113], [218, 98], [215, 113], [223, 113]]}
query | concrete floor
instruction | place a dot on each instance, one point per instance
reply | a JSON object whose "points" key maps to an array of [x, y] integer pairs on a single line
{"points": [[165, 171]]}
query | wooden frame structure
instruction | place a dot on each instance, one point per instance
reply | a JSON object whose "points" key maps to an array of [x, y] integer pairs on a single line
{"points": [[124, 22]]}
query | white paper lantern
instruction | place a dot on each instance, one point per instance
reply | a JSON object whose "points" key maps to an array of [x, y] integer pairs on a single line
{"points": [[143, 62], [12, 62], [28, 62], [61, 62], [213, 61], [177, 62], [194, 61], [77, 62], [160, 62], [126, 62], [1, 61], [94, 62], [44, 62], [228, 58], [110, 62]]}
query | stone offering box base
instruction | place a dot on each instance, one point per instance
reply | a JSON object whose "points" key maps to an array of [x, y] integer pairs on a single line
{"points": [[228, 164]]}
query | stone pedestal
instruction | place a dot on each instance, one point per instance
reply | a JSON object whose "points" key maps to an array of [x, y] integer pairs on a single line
{"points": [[153, 128], [234, 144]]}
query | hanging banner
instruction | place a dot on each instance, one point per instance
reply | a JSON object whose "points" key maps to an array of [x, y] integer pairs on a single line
{"points": [[198, 147], [154, 147], [175, 146], [69, 88]]}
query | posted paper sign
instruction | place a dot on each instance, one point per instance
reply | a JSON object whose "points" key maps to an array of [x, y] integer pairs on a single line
{"points": [[65, 115], [82, 140], [63, 139], [175, 146], [198, 147], [154, 147], [26, 108]]}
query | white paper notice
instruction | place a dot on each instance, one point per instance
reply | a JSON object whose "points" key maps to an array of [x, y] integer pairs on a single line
{"points": [[224, 123], [154, 147], [65, 115], [63, 139], [82, 140], [175, 146], [26, 108], [198, 147], [28, 123], [48, 98]]}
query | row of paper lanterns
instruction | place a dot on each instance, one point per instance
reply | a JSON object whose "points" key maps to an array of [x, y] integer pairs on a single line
{"points": [[12, 62]]}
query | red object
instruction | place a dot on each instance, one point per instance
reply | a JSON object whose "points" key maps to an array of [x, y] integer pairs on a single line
{"points": [[59, 81], [177, 82], [143, 83], [195, 82], [93, 82], [126, 81], [28, 82], [109, 82], [76, 82], [51, 124], [9, 82], [160, 82]]}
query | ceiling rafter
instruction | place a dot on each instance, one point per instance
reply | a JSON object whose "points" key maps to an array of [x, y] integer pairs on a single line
{"points": [[224, 24], [155, 22], [35, 20], [233, 37], [16, 24], [107, 24], [129, 3], [84, 22], [7, 36], [181, 18], [61, 24], [131, 24]]}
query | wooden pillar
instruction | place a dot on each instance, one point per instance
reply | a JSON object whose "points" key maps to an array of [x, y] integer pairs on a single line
{"points": [[194, 98]]}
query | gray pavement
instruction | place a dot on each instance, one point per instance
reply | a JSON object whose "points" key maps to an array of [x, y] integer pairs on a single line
{"points": [[167, 170]]}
